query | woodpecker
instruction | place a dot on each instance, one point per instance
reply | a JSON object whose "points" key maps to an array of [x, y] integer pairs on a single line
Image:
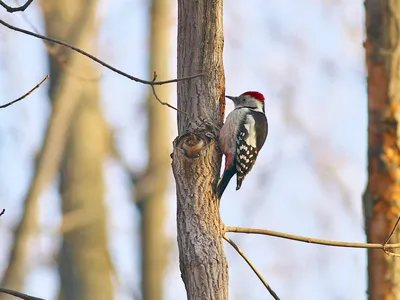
{"points": [[242, 137]]}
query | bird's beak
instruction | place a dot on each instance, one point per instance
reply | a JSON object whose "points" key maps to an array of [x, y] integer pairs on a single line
{"points": [[231, 97]]}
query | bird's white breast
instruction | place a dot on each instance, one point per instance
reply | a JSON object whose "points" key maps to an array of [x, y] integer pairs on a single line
{"points": [[229, 131]]}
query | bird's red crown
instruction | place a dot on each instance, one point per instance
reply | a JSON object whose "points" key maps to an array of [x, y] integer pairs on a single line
{"points": [[256, 95]]}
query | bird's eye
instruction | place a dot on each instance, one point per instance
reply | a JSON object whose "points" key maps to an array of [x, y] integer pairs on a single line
{"points": [[243, 99]]}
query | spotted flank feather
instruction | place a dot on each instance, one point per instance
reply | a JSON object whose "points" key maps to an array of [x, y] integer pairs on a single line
{"points": [[245, 158]]}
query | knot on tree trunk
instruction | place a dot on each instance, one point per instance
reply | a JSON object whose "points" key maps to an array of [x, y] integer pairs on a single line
{"points": [[192, 144], [196, 163], [198, 156]]}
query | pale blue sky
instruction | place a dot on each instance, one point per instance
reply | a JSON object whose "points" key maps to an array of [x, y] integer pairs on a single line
{"points": [[310, 48]]}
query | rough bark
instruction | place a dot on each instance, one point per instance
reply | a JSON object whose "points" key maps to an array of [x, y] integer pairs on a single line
{"points": [[382, 195], [151, 188], [64, 93], [196, 159]]}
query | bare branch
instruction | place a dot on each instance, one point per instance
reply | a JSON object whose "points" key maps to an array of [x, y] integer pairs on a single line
{"points": [[18, 294], [384, 246], [158, 99], [97, 60], [15, 9], [391, 253], [2, 212], [392, 232], [53, 50], [241, 253], [26, 94]]}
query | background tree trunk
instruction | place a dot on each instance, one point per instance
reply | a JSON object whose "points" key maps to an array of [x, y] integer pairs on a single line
{"points": [[151, 188], [382, 196], [196, 160], [84, 264], [67, 21]]}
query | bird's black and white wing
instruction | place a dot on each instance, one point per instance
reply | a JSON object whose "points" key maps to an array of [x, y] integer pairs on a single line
{"points": [[251, 137]]}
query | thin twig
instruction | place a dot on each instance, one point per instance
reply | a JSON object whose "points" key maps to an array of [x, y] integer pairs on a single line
{"points": [[241, 253], [14, 9], [391, 253], [52, 49], [158, 99], [385, 247], [104, 64], [2, 212], [392, 232], [26, 94], [18, 294]]}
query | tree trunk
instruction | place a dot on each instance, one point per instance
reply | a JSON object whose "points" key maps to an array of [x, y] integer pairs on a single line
{"points": [[64, 93], [382, 195], [151, 188], [85, 266], [196, 159]]}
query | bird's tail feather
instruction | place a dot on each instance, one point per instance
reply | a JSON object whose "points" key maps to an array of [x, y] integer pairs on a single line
{"points": [[239, 181], [224, 181]]}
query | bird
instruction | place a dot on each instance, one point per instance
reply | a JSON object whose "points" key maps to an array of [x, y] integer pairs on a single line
{"points": [[241, 137]]}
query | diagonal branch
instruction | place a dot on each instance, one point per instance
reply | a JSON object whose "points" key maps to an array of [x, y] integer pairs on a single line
{"points": [[158, 99], [53, 50], [26, 94], [241, 253], [384, 246], [97, 60], [392, 232], [18, 294], [2, 212], [15, 9]]}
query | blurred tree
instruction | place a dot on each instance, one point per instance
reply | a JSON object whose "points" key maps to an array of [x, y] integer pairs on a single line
{"points": [[73, 23], [382, 195], [150, 189], [84, 264], [196, 159]]}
